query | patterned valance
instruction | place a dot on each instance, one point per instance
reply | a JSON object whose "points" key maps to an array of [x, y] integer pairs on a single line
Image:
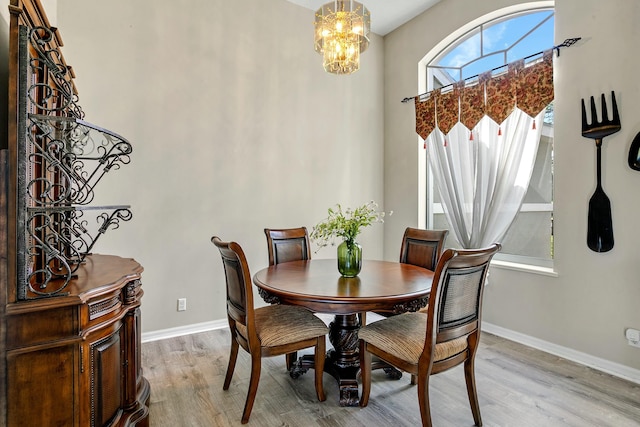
{"points": [[529, 89]]}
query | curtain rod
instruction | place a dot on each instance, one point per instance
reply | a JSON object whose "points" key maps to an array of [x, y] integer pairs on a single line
{"points": [[566, 43]]}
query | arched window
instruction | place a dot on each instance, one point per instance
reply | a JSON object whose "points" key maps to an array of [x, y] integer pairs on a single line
{"points": [[490, 45]]}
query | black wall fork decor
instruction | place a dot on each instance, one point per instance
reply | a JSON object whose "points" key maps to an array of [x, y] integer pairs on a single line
{"points": [[600, 224]]}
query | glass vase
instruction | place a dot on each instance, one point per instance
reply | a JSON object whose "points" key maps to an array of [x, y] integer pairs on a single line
{"points": [[349, 258]]}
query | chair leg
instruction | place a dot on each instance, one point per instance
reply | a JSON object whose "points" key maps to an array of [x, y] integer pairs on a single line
{"points": [[291, 359], [233, 355], [470, 379], [319, 367], [365, 374], [256, 365], [423, 398]]}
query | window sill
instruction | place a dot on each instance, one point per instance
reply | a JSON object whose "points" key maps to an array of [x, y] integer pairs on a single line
{"points": [[526, 268]]}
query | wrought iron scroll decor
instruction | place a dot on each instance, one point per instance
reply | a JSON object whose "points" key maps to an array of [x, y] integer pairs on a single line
{"points": [[61, 160], [55, 94], [77, 154]]}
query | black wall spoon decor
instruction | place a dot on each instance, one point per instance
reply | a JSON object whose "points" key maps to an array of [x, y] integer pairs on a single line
{"points": [[634, 153], [599, 222]]}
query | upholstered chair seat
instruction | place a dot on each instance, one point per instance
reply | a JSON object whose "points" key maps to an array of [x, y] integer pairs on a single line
{"points": [[408, 331], [278, 325]]}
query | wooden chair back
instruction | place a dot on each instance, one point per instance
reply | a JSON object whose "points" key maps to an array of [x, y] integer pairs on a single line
{"points": [[422, 247], [240, 308], [455, 303], [287, 244]]}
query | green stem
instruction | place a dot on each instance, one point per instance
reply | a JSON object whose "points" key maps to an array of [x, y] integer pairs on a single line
{"points": [[350, 244]]}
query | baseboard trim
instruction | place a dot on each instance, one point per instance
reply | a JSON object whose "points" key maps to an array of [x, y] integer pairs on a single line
{"points": [[600, 364], [184, 330]]}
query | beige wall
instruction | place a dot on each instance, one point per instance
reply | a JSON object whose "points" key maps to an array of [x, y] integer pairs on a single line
{"points": [[595, 296], [235, 127]]}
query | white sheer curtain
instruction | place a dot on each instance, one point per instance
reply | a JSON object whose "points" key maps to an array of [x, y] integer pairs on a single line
{"points": [[482, 181]]}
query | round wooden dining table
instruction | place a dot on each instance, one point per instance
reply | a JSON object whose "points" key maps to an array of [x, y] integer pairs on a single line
{"points": [[317, 285]]}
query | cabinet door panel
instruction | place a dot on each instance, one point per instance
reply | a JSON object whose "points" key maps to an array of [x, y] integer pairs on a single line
{"points": [[40, 385], [106, 379]]}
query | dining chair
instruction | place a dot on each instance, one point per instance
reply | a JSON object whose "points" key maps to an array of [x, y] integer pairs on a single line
{"points": [[284, 245], [266, 331], [287, 244], [422, 248], [447, 335]]}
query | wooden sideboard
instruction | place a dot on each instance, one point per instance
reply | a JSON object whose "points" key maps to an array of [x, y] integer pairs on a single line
{"points": [[75, 360], [70, 319]]}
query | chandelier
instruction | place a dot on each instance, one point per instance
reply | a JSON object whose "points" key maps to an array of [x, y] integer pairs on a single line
{"points": [[341, 35]]}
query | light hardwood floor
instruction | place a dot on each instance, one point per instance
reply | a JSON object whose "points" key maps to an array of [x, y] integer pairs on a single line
{"points": [[517, 386]]}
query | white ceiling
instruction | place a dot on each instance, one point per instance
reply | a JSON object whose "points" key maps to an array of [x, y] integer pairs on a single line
{"points": [[386, 15]]}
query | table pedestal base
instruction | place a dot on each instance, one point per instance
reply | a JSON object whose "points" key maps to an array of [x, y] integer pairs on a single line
{"points": [[343, 361], [347, 378]]}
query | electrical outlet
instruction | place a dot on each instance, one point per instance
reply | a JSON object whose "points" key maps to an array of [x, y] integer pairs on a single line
{"points": [[182, 304], [633, 337]]}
